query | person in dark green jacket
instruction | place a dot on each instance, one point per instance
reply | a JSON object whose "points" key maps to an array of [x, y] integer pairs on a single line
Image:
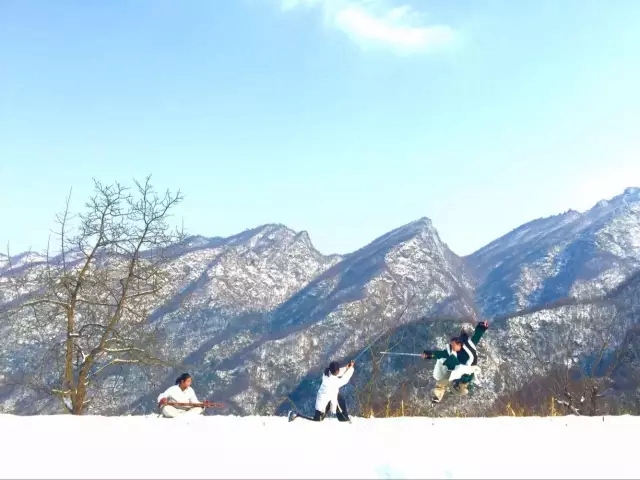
{"points": [[457, 364]]}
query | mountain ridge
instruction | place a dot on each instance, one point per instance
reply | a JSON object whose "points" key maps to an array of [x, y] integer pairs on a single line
{"points": [[254, 315]]}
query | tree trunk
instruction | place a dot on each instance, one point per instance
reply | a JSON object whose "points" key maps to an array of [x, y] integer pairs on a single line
{"points": [[77, 401], [67, 381]]}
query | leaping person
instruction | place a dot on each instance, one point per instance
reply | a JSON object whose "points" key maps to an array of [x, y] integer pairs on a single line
{"points": [[457, 364]]}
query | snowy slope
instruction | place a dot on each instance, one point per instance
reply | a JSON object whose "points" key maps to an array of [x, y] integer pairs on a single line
{"points": [[526, 345], [270, 447], [252, 315], [256, 316], [221, 288], [569, 255], [333, 317]]}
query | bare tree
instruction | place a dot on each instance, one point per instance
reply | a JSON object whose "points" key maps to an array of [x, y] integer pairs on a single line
{"points": [[83, 310], [568, 362]]}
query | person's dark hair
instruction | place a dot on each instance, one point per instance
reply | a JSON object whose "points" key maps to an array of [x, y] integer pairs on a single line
{"points": [[464, 336], [455, 339], [182, 378], [334, 368]]}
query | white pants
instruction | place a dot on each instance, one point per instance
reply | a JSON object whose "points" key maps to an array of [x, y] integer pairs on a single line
{"points": [[440, 372], [169, 411]]}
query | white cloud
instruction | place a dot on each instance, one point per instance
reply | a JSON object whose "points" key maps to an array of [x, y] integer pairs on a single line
{"points": [[373, 23]]}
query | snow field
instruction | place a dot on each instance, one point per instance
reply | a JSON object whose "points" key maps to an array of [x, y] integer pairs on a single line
{"points": [[230, 447]]}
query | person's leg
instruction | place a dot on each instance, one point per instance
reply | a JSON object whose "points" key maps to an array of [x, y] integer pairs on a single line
{"points": [[441, 374], [460, 388], [462, 370], [317, 417], [463, 386], [467, 378], [195, 411], [169, 411], [461, 377], [342, 415], [439, 390], [440, 371]]}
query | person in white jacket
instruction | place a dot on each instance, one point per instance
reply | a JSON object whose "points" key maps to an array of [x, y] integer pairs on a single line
{"points": [[181, 392], [328, 397]]}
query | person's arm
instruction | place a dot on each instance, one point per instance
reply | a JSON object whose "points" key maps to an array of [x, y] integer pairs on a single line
{"points": [[437, 354], [192, 396], [344, 379], [165, 396], [479, 332], [450, 359]]}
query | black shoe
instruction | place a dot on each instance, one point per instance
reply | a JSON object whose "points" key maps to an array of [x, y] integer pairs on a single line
{"points": [[292, 416]]}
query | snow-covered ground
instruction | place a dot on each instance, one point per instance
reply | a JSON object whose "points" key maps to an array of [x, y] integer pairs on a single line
{"points": [[270, 447]]}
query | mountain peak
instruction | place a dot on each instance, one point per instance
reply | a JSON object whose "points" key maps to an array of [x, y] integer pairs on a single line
{"points": [[422, 222], [573, 254], [629, 195], [303, 236], [421, 225]]}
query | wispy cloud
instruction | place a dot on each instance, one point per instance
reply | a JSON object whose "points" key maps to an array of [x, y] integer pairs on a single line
{"points": [[375, 23]]}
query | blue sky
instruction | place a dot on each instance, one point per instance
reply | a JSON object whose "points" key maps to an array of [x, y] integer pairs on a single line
{"points": [[345, 118]]}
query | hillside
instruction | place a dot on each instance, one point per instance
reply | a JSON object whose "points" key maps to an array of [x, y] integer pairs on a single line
{"points": [[579, 255], [256, 316], [587, 347], [335, 315], [220, 286], [251, 315]]}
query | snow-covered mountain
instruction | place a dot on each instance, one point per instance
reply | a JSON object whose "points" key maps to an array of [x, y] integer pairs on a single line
{"points": [[255, 317], [574, 254], [255, 364], [253, 313]]}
